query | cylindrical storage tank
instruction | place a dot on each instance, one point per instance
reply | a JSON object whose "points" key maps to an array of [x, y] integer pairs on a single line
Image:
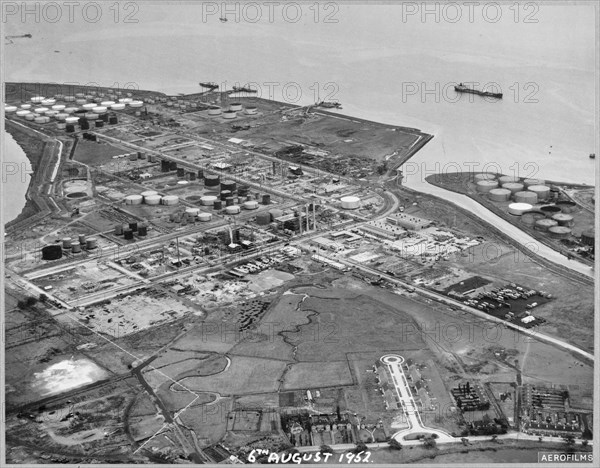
{"points": [[69, 98], [118, 230], [211, 180], [76, 248], [99, 123], [52, 252], [192, 211], [70, 110], [263, 219], [107, 103], [208, 200], [100, 110], [80, 95], [132, 157], [550, 210], [141, 155], [48, 102], [112, 120], [152, 199], [80, 102], [229, 115], [204, 217], [180, 172], [275, 213], [530, 182], [542, 191], [218, 205], [89, 106], [250, 205], [192, 176], [72, 120], [484, 176], [567, 206], [200, 173], [544, 224], [485, 186], [142, 231], [91, 243], [51, 113], [128, 234], [499, 195], [30, 116], [41, 110], [133, 226], [90, 115], [118, 106], [563, 219], [148, 193], [40, 119], [90, 96], [62, 116], [67, 242], [215, 110], [350, 203], [172, 165], [183, 182], [136, 104], [37, 99], [125, 100], [243, 190], [235, 106], [23, 113], [250, 110], [170, 200], [525, 197], [133, 199], [61, 125], [266, 199], [70, 128], [58, 107], [26, 106], [229, 201], [517, 209], [559, 232], [530, 217], [225, 194], [232, 209], [229, 185], [588, 237]]}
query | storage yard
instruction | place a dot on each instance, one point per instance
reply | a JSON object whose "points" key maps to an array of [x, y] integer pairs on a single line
{"points": [[223, 273]]}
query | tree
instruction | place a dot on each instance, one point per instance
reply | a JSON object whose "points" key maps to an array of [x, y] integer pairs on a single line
{"points": [[394, 444], [325, 449], [429, 443], [360, 447]]}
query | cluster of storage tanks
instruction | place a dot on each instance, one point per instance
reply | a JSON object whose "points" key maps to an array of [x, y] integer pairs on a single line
{"points": [[80, 109], [128, 230], [231, 112], [69, 244], [552, 218]]}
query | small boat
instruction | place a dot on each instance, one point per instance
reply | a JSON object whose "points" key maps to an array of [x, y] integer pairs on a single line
{"points": [[592, 155], [223, 19]]}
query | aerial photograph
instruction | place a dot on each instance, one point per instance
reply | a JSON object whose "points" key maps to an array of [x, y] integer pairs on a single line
{"points": [[320, 233]]}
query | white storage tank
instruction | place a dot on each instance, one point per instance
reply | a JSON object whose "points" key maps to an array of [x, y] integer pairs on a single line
{"points": [[118, 106], [499, 195], [484, 176], [107, 103], [26, 106], [62, 116], [229, 115], [99, 110], [235, 106], [48, 102], [80, 102], [70, 110], [542, 191], [41, 119], [69, 99], [152, 199], [136, 104], [204, 217], [233, 209], [250, 205], [30, 116], [89, 106], [41, 110], [58, 107], [10, 109], [125, 100], [91, 115], [215, 110], [148, 193], [485, 186], [529, 182], [350, 203], [526, 197], [251, 110], [192, 211], [23, 113], [72, 120], [517, 209], [170, 200], [208, 200], [37, 99], [514, 187], [133, 199], [506, 179]]}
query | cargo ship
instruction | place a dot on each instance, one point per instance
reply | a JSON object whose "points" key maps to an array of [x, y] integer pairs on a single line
{"points": [[461, 88], [209, 85]]}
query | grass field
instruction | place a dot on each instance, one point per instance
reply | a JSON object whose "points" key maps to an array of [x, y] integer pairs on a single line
{"points": [[317, 374]]}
